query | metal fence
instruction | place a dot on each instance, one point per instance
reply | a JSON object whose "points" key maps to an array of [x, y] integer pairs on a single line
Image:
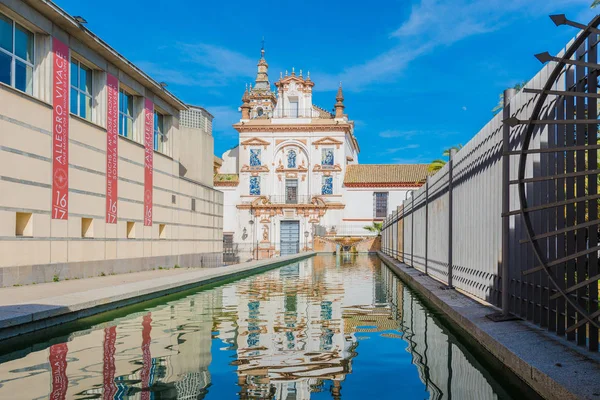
{"points": [[344, 230], [513, 217]]}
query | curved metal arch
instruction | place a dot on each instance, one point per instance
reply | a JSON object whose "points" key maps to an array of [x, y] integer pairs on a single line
{"points": [[535, 115]]}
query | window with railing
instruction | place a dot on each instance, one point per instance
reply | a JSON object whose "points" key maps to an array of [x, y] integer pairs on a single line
{"points": [[16, 55], [81, 89], [125, 114], [380, 200]]}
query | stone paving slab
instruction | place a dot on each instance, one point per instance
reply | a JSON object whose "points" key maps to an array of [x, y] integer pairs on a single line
{"points": [[554, 368], [28, 308]]}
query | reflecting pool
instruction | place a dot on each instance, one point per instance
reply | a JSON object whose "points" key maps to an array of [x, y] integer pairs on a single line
{"points": [[322, 328]]}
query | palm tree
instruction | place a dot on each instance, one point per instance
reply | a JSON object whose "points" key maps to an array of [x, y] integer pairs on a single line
{"points": [[517, 87], [595, 4], [376, 227], [436, 165]]}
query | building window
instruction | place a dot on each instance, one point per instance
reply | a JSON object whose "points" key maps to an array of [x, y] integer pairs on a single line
{"points": [[16, 55], [381, 204], [327, 185], [327, 158], [159, 132], [130, 230], [291, 159], [255, 185], [81, 89], [87, 227], [24, 225], [125, 114], [162, 231], [255, 158]]}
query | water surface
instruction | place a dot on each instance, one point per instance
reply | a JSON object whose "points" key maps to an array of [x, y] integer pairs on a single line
{"points": [[322, 328]]}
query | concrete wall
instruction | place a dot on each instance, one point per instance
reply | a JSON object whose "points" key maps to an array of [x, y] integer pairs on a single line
{"points": [[57, 248]]}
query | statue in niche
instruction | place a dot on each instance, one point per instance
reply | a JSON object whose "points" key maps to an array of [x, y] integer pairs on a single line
{"points": [[265, 233]]}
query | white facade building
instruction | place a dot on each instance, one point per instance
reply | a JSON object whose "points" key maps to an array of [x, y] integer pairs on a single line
{"points": [[290, 169]]}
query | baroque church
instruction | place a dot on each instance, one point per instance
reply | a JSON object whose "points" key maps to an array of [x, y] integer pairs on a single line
{"points": [[295, 169]]}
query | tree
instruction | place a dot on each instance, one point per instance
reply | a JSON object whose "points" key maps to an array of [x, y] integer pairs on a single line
{"points": [[436, 165], [595, 4], [376, 227], [517, 87]]}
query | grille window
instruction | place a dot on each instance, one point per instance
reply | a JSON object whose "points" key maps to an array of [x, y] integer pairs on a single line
{"points": [[381, 204]]}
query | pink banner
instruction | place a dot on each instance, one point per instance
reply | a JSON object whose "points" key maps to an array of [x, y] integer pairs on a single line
{"points": [[148, 160], [60, 130], [58, 366], [108, 372], [112, 138], [146, 356]]}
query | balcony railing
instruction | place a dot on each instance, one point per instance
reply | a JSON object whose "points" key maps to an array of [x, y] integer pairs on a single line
{"points": [[344, 230], [292, 113], [282, 199]]}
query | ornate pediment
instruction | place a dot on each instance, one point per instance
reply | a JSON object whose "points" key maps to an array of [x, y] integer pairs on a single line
{"points": [[327, 141], [327, 169], [256, 169], [255, 142]]}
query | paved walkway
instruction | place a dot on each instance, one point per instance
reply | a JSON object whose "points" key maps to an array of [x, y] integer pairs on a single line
{"points": [[28, 308]]}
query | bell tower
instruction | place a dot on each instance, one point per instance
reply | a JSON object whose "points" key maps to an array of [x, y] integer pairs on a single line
{"points": [[261, 99]]}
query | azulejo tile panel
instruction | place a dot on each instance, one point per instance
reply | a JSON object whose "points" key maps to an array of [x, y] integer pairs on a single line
{"points": [[255, 185], [291, 159], [327, 185], [327, 157], [255, 158]]}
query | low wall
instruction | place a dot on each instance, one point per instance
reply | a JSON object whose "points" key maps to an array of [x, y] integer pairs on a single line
{"points": [[20, 319], [31, 274]]}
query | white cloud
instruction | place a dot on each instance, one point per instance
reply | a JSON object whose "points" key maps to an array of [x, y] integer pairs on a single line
{"points": [[202, 65], [397, 134], [435, 23], [394, 150], [225, 116]]}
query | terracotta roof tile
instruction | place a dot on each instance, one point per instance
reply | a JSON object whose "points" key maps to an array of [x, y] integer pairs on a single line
{"points": [[379, 175]]}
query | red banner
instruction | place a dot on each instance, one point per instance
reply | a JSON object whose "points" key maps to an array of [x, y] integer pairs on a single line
{"points": [[112, 137], [60, 130], [146, 356], [148, 160], [108, 372], [58, 366]]}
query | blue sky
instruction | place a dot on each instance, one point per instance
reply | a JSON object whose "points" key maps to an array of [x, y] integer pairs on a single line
{"points": [[418, 75]]}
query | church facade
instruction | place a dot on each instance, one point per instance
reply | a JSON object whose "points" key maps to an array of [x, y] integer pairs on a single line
{"points": [[289, 172]]}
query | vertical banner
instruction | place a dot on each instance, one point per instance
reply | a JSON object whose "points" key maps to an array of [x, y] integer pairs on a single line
{"points": [[108, 371], [148, 160], [58, 366], [146, 356], [112, 137], [60, 130]]}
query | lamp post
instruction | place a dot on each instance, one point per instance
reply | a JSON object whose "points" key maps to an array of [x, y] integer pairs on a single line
{"points": [[306, 233], [251, 222]]}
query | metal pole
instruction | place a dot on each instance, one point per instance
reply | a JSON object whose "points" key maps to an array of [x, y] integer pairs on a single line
{"points": [[426, 221], [508, 94], [450, 167], [412, 230]]}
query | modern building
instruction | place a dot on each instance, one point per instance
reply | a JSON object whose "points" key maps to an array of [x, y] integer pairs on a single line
{"points": [[99, 173], [296, 167]]}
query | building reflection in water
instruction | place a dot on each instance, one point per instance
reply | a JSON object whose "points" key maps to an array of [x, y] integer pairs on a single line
{"points": [[288, 333]]}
